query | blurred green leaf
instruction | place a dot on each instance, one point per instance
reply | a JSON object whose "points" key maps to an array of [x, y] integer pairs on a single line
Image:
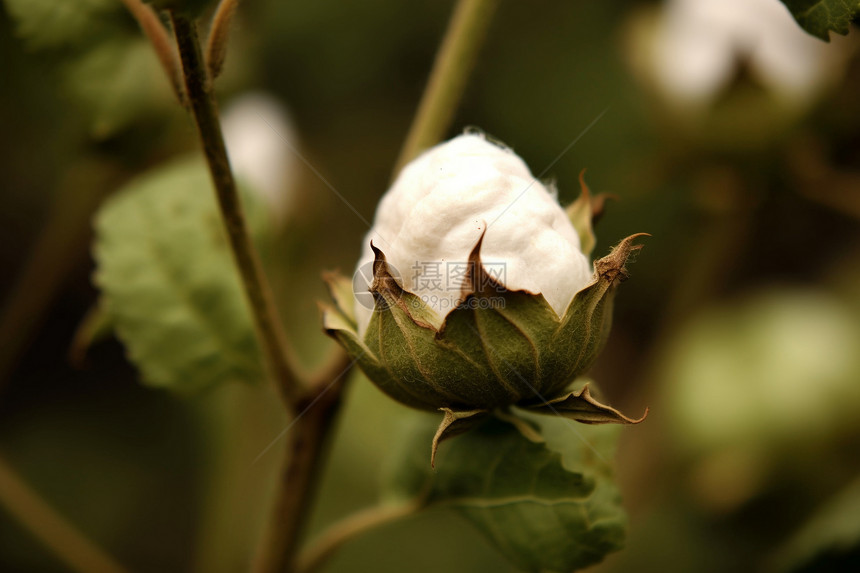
{"points": [[48, 24], [119, 82], [548, 506], [105, 63], [169, 282], [820, 17]]}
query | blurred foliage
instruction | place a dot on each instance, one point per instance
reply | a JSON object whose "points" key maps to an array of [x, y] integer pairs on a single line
{"points": [[47, 25], [119, 83], [820, 17], [107, 67], [751, 269]]}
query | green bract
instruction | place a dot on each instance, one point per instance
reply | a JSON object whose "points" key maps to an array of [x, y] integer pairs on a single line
{"points": [[498, 348]]}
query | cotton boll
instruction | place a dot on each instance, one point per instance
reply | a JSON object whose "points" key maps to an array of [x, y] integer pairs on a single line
{"points": [[443, 202], [476, 293]]}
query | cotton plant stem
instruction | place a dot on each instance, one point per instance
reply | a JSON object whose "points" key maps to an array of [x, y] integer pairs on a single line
{"points": [[307, 440], [316, 407], [454, 61], [202, 104], [68, 544], [347, 529]]}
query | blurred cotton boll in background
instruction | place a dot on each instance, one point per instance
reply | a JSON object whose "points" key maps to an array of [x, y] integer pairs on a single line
{"points": [[692, 51], [762, 385], [261, 139]]}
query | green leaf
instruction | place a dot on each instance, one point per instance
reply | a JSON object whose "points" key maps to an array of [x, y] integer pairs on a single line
{"points": [[52, 24], [169, 282], [820, 17], [549, 506], [118, 82], [104, 62]]}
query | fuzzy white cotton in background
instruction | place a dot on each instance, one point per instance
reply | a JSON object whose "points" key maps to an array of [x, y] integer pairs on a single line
{"points": [[440, 204], [259, 134], [699, 43]]}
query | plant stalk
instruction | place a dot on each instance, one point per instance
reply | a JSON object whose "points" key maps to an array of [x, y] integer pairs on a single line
{"points": [[69, 545], [307, 441], [456, 58], [201, 100], [315, 406]]}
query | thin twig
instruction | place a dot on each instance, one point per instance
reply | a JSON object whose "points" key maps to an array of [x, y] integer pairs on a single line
{"points": [[219, 34], [454, 62], [40, 519], [257, 289], [347, 529], [157, 34]]}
